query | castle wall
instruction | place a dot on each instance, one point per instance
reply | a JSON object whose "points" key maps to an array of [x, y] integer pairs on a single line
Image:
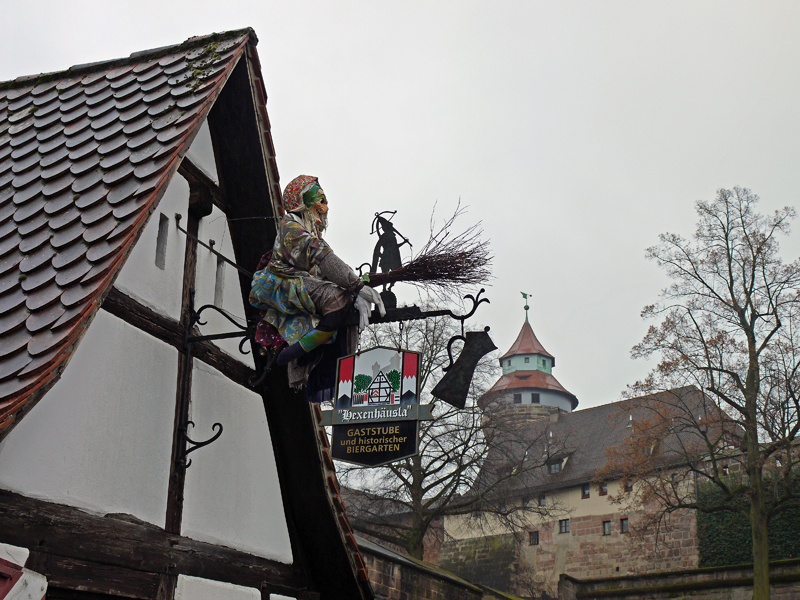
{"points": [[715, 583], [490, 560], [583, 552], [586, 553]]}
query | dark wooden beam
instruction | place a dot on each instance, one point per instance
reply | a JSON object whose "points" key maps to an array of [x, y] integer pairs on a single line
{"points": [[169, 331], [177, 470], [199, 178], [74, 574], [65, 540]]}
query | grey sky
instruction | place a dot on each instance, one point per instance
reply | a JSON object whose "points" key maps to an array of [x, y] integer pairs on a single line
{"points": [[576, 131]]}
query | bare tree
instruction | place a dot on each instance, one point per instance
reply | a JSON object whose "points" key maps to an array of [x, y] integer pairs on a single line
{"points": [[400, 503], [728, 341]]}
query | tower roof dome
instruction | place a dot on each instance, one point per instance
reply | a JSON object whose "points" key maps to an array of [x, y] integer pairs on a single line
{"points": [[526, 343]]}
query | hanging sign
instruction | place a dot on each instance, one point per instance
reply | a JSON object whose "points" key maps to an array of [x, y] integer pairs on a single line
{"points": [[376, 415]]}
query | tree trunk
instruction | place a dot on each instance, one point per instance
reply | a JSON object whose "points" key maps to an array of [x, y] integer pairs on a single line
{"points": [[416, 549], [758, 526], [758, 522]]}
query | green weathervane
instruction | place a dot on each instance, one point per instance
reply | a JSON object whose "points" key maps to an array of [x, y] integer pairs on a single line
{"points": [[525, 296]]}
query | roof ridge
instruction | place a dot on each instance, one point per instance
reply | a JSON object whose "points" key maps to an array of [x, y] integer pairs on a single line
{"points": [[87, 68], [623, 401]]}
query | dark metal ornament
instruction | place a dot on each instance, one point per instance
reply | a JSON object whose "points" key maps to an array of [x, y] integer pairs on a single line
{"points": [[387, 250], [454, 386]]}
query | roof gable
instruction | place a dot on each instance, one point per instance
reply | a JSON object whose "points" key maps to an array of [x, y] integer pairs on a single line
{"points": [[85, 156]]}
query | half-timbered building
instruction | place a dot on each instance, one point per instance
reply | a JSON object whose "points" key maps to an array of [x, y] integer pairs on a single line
{"points": [[133, 192]]}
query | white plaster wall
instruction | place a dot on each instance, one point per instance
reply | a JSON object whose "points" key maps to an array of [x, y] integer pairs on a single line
{"points": [[101, 438], [140, 278], [14, 554], [232, 495], [215, 227], [195, 588], [201, 152]]}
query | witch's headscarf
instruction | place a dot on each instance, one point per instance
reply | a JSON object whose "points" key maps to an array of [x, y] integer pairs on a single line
{"points": [[293, 194]]}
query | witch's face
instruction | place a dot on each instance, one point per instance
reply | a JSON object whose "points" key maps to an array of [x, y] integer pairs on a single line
{"points": [[320, 209]]}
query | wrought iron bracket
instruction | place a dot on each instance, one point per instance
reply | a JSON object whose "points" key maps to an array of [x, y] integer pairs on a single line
{"points": [[414, 313], [245, 332], [188, 445], [187, 462]]}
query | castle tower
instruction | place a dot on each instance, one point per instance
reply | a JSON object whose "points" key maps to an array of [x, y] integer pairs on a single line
{"points": [[527, 377]]}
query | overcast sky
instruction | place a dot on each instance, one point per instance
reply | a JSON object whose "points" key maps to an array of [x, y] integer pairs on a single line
{"points": [[575, 131]]}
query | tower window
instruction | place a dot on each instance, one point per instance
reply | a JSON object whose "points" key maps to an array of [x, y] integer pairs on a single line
{"points": [[606, 527], [563, 526], [508, 362], [535, 398], [533, 538], [527, 359], [623, 525], [517, 398]]}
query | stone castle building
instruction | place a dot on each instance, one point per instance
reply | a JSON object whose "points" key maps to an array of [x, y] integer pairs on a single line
{"points": [[580, 532]]}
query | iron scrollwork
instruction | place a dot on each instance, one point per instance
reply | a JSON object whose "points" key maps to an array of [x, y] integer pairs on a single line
{"points": [[188, 445]]}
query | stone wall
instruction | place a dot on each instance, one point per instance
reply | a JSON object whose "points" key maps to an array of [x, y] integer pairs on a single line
{"points": [[490, 560], [432, 542], [397, 577], [585, 552], [713, 583]]}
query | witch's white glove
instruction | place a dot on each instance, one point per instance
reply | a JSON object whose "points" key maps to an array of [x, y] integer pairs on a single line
{"points": [[370, 295], [364, 309]]}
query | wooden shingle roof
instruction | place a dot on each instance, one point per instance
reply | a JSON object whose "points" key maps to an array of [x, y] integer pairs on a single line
{"points": [[85, 156]]}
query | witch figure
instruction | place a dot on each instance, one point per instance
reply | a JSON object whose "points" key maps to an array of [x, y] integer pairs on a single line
{"points": [[305, 291]]}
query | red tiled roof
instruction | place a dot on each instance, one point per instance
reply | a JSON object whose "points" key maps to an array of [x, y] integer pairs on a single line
{"points": [[85, 155], [526, 380], [526, 343]]}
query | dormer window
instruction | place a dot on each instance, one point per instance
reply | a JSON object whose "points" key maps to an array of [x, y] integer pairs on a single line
{"points": [[554, 467]]}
